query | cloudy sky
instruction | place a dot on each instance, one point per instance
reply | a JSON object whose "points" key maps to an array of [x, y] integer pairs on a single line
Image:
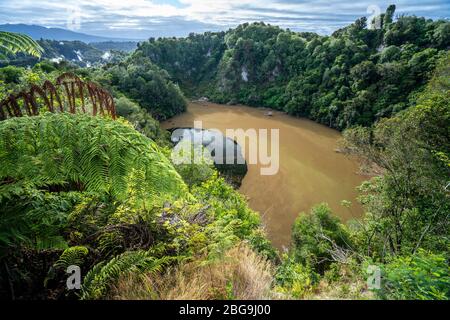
{"points": [[141, 19]]}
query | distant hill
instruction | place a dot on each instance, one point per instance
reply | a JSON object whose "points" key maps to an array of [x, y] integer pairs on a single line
{"points": [[75, 52], [39, 32]]}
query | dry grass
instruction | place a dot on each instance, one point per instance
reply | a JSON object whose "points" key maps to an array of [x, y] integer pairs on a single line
{"points": [[349, 287], [354, 290], [239, 274]]}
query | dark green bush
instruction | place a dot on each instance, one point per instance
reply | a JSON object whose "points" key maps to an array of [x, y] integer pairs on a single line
{"points": [[316, 235]]}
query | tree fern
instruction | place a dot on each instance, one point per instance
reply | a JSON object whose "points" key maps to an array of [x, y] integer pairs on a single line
{"points": [[83, 153], [51, 161], [11, 43], [103, 275]]}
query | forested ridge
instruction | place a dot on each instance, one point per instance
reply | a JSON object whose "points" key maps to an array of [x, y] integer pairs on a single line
{"points": [[353, 77], [75, 52], [104, 194]]}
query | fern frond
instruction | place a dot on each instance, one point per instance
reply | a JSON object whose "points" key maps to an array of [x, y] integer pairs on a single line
{"points": [[72, 256], [96, 154], [98, 281], [11, 43], [54, 156]]}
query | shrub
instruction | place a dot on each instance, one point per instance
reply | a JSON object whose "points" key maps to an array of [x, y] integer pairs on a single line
{"points": [[422, 276], [295, 279], [316, 236], [98, 280], [142, 121], [192, 162], [125, 107]]}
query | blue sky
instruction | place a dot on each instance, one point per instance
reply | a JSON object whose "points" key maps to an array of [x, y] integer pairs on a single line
{"points": [[141, 19]]}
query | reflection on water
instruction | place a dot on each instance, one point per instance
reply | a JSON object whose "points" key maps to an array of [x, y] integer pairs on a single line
{"points": [[310, 170], [223, 150]]}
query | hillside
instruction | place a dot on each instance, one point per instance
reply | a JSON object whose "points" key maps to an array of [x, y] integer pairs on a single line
{"points": [[76, 53], [353, 77]]}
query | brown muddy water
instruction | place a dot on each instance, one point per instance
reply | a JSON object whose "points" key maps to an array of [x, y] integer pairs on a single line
{"points": [[310, 170]]}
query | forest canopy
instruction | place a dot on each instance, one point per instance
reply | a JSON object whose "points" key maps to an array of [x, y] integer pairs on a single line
{"points": [[353, 77]]}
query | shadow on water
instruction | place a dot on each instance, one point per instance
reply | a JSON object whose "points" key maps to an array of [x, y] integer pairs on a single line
{"points": [[226, 153]]}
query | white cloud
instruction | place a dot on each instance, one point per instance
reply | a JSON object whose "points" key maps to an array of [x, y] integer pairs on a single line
{"points": [[135, 17]]}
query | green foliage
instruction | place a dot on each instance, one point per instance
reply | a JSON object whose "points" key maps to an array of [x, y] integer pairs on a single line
{"points": [[408, 206], [75, 182], [11, 43], [260, 243], [295, 278], [125, 107], [14, 79], [141, 120], [141, 80], [50, 163], [422, 276], [11, 74], [354, 77], [217, 220], [79, 152], [102, 276], [228, 205], [191, 61], [72, 256], [54, 205], [192, 163], [405, 228], [34, 218], [315, 236]]}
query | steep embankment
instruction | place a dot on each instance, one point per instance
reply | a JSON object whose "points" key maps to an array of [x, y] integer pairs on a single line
{"points": [[95, 193]]}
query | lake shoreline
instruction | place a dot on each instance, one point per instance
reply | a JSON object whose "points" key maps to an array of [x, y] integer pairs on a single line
{"points": [[310, 170]]}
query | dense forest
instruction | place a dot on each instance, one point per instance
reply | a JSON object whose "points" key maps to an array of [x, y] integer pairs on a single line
{"points": [[103, 194], [353, 77]]}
